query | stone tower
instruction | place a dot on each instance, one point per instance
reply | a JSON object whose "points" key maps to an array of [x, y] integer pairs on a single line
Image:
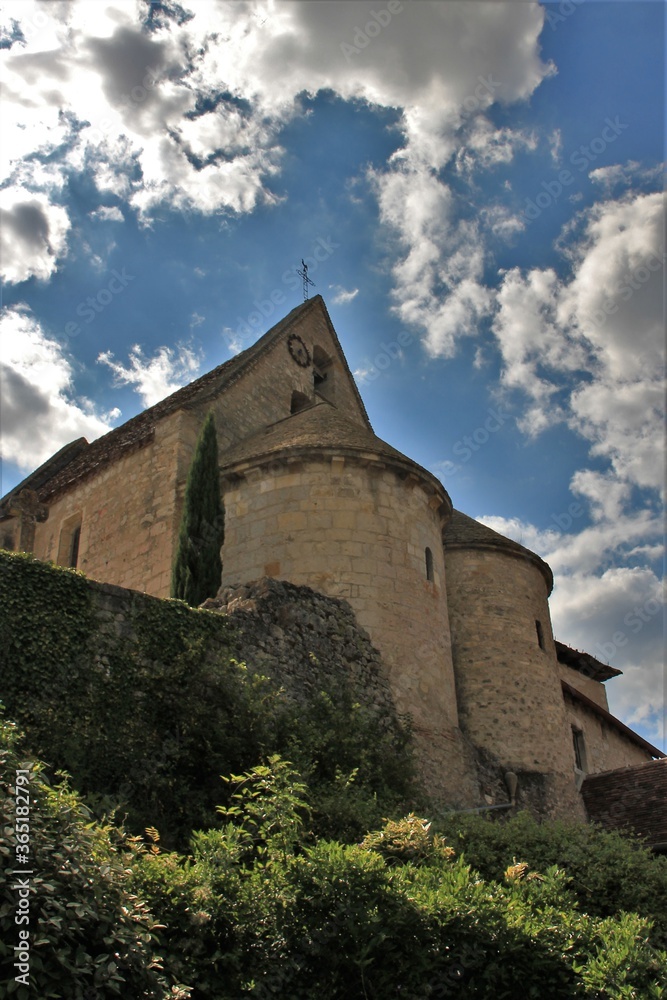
{"points": [[320, 501], [315, 498], [508, 684]]}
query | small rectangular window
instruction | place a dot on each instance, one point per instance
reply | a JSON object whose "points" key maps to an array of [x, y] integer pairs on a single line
{"points": [[74, 547], [579, 749], [540, 633]]}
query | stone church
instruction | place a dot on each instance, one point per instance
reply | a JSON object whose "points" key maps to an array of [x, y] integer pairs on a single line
{"points": [[459, 612]]}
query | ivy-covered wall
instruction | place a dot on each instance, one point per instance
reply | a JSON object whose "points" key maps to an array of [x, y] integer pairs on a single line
{"points": [[146, 702]]}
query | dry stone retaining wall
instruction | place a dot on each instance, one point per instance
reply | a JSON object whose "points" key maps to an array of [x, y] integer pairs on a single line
{"points": [[300, 638]]}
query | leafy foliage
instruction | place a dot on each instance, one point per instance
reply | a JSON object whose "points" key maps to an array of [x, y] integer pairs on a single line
{"points": [[89, 934], [261, 909], [269, 803], [197, 567], [609, 872], [407, 840], [46, 625], [149, 727], [398, 915], [260, 906]]}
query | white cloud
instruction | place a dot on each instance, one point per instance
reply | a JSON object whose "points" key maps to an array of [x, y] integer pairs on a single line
{"points": [[190, 116], [438, 282], [606, 494], [555, 140], [33, 235], [108, 213], [156, 377], [341, 296], [589, 350], [40, 413], [486, 147], [503, 223], [615, 296], [623, 175]]}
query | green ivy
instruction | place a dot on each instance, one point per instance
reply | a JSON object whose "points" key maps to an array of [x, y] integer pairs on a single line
{"points": [[147, 717], [46, 628]]}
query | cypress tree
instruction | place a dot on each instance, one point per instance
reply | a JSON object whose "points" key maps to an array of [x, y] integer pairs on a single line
{"points": [[198, 567]]}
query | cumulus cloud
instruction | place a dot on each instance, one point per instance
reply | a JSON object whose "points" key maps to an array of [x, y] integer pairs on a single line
{"points": [[156, 377], [342, 296], [594, 340], [486, 146], [109, 213], [33, 235], [40, 412], [180, 106]]}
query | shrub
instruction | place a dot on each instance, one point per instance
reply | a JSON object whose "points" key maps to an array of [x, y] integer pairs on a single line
{"points": [[149, 728], [609, 872], [89, 934]]}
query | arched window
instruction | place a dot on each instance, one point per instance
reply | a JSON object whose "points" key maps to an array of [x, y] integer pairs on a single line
{"points": [[299, 402], [70, 540], [428, 556]]}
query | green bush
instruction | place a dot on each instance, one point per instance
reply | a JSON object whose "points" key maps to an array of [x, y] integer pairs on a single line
{"points": [[260, 909], [395, 916], [89, 934], [149, 728], [609, 872]]}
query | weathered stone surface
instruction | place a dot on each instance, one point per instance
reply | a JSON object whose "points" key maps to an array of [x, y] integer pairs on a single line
{"points": [[606, 746], [508, 686], [313, 497], [309, 645]]}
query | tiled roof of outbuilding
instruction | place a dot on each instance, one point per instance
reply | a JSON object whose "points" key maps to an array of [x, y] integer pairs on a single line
{"points": [[586, 664], [463, 532], [634, 797]]}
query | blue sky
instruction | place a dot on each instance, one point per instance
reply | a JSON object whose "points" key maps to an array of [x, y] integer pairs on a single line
{"points": [[477, 190]]}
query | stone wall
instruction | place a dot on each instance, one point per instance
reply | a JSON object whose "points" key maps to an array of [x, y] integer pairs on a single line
{"points": [[509, 691], [595, 690], [606, 747], [128, 512], [300, 638], [355, 529], [297, 637], [263, 395]]}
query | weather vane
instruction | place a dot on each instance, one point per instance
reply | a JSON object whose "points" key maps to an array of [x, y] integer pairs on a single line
{"points": [[306, 280]]}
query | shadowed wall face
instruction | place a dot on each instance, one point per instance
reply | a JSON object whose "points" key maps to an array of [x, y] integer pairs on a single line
{"points": [[358, 530], [508, 684]]}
